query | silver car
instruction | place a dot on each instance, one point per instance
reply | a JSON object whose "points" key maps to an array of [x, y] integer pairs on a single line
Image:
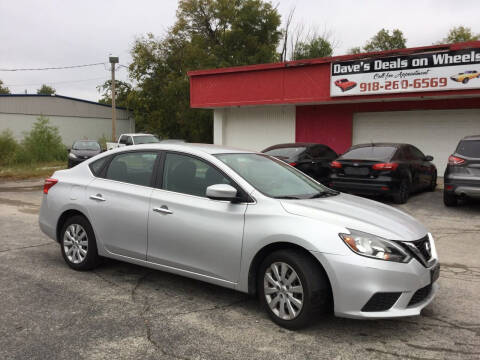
{"points": [[245, 221]]}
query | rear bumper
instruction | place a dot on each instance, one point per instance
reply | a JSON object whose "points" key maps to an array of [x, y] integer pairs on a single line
{"points": [[364, 186], [462, 186]]}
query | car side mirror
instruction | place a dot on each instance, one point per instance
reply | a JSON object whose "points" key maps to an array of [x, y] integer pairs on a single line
{"points": [[221, 192], [428, 158]]}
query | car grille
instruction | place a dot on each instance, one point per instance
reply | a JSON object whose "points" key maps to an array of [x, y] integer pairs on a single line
{"points": [[420, 295], [381, 301], [420, 249]]}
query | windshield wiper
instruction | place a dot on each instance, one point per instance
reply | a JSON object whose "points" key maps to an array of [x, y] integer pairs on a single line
{"points": [[289, 197], [324, 194]]}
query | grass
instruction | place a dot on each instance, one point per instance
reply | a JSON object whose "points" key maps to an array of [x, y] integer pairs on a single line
{"points": [[23, 171]]}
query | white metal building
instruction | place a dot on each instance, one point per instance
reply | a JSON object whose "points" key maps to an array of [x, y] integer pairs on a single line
{"points": [[75, 118]]}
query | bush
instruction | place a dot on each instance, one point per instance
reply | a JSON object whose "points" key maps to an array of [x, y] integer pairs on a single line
{"points": [[42, 144], [9, 148], [103, 142]]}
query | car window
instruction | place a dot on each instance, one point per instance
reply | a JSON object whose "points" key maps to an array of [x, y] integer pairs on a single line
{"points": [[469, 148], [286, 152], [189, 175], [272, 177], [322, 151], [97, 166], [122, 140], [417, 154], [129, 141], [86, 145], [132, 167], [146, 139], [376, 153]]}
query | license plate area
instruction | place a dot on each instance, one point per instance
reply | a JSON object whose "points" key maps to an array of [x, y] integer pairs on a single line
{"points": [[361, 171], [434, 273]]}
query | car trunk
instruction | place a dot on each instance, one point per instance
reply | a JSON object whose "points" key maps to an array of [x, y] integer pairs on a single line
{"points": [[357, 168], [469, 151]]}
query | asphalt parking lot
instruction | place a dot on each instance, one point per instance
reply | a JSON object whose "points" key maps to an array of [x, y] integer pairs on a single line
{"points": [[124, 311]]}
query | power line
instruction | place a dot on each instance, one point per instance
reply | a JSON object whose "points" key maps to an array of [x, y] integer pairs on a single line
{"points": [[55, 68], [58, 82]]}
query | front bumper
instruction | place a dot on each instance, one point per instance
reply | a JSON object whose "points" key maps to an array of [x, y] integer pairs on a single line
{"points": [[356, 279]]}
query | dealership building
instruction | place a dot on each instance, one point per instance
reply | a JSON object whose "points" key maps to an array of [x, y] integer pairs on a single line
{"points": [[427, 96]]}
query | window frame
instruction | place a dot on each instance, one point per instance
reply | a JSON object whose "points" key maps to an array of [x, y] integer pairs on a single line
{"points": [[243, 196]]}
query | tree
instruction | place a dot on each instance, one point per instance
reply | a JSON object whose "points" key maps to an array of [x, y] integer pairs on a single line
{"points": [[317, 47], [384, 41], [206, 34], [460, 34], [355, 50], [46, 90], [3, 89], [123, 93]]}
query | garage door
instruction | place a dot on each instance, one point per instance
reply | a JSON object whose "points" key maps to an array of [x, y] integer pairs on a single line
{"points": [[435, 132]]}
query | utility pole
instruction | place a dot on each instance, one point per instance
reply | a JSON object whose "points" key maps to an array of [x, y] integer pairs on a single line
{"points": [[113, 61]]}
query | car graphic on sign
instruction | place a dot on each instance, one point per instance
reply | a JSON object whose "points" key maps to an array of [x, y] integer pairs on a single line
{"points": [[464, 77], [345, 84]]}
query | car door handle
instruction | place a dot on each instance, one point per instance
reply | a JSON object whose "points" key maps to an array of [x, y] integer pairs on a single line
{"points": [[98, 197], [164, 210]]}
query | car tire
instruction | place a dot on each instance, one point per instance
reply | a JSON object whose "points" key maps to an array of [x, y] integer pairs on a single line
{"points": [[403, 193], [464, 81], [303, 299], [433, 183], [78, 244], [449, 199]]}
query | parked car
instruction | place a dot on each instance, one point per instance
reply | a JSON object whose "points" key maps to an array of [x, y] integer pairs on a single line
{"points": [[384, 169], [345, 84], [245, 221], [82, 150], [311, 158], [133, 139], [465, 76], [462, 175]]}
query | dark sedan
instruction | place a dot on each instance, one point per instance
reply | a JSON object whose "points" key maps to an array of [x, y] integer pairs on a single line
{"points": [[390, 169], [462, 175], [311, 158], [83, 150]]}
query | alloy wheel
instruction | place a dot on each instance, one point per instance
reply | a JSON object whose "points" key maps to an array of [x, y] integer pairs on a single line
{"points": [[283, 291], [75, 243]]}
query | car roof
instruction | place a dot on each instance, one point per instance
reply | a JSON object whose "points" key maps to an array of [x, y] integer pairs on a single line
{"points": [[191, 148], [137, 134], [292, 145], [472, 137], [396, 145]]}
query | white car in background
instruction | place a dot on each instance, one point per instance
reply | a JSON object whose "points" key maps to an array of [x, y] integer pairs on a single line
{"points": [[133, 139], [245, 221]]}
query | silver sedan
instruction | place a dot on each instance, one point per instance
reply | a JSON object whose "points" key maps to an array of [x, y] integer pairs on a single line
{"points": [[245, 221]]}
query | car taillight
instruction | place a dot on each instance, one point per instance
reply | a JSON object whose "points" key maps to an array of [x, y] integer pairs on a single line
{"points": [[385, 166], [48, 184], [336, 165], [454, 160], [292, 164]]}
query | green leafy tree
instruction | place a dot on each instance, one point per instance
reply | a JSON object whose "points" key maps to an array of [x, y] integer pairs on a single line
{"points": [[8, 147], [355, 50], [206, 34], [46, 90], [317, 47], [43, 143], [460, 34], [123, 93], [383, 41], [3, 89]]}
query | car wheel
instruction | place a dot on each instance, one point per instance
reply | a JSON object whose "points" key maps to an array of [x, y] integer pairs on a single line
{"points": [[78, 244], [433, 183], [464, 81], [403, 193], [449, 199], [293, 288]]}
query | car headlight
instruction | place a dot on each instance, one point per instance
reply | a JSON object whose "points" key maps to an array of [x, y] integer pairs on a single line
{"points": [[72, 156], [374, 246]]}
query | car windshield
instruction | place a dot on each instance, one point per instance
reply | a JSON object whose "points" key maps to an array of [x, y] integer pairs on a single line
{"points": [[86, 145], [146, 139], [469, 148], [376, 153], [273, 177], [286, 152]]}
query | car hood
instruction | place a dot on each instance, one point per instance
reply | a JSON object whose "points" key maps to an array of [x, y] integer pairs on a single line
{"points": [[85, 153], [360, 214]]}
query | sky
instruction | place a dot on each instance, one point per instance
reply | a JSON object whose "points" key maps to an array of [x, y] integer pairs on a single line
{"points": [[53, 33]]}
